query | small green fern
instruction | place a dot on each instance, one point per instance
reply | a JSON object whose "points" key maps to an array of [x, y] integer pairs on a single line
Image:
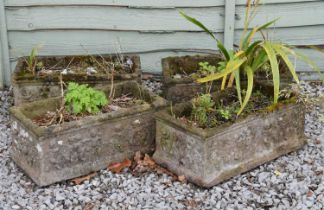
{"points": [[83, 99]]}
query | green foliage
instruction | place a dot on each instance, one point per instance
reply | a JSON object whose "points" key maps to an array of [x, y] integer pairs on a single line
{"points": [[83, 99], [251, 57], [202, 105], [206, 69], [31, 60], [224, 113]]}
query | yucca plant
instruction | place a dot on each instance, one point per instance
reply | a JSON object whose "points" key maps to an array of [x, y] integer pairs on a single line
{"points": [[250, 57]]}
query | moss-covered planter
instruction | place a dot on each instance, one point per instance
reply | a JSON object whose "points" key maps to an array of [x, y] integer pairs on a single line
{"points": [[61, 152], [183, 89], [209, 156], [27, 87]]}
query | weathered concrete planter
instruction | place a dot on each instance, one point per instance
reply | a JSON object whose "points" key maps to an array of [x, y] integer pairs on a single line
{"points": [[62, 152], [209, 156], [183, 89], [28, 88]]}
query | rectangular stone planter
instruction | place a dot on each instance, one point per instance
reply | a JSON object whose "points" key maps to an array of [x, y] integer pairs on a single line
{"points": [[207, 157], [28, 88], [60, 152], [184, 89]]}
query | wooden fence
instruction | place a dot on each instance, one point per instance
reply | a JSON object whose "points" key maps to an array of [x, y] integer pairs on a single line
{"points": [[152, 28]]}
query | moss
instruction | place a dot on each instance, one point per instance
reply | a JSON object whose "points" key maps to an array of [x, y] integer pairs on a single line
{"points": [[280, 105]]}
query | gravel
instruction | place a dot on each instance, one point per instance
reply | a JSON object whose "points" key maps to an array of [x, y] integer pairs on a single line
{"points": [[294, 181]]}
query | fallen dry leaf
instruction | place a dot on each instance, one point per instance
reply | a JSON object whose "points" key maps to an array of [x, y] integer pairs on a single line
{"points": [[88, 206], [148, 161], [182, 179], [118, 167], [79, 180], [191, 204], [310, 193], [161, 170]]}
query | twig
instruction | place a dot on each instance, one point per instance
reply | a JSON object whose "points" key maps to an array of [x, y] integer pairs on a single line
{"points": [[69, 63], [55, 65], [112, 89], [61, 110]]}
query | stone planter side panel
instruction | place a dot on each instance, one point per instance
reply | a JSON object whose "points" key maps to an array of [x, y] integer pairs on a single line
{"points": [[179, 151], [184, 89], [89, 148], [25, 149], [28, 92], [34, 91], [249, 144], [183, 92]]}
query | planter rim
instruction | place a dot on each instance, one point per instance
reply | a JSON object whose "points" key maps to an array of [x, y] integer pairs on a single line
{"points": [[83, 77], [165, 117], [39, 131], [167, 79]]}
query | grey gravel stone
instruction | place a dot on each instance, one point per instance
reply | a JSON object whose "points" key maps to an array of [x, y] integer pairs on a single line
{"points": [[300, 184]]}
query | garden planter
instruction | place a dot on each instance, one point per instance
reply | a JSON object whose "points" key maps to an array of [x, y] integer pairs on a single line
{"points": [[27, 87], [184, 88], [72, 149], [207, 157]]}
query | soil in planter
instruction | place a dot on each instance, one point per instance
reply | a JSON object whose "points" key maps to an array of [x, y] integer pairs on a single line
{"points": [[77, 65], [54, 118], [225, 107]]}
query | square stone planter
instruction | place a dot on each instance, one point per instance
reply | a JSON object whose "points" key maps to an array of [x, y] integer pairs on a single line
{"points": [[207, 157], [60, 152], [28, 88], [184, 89]]}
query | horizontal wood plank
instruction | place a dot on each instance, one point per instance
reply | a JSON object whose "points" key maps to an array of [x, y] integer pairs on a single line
{"points": [[264, 2], [308, 35], [69, 41], [111, 18], [75, 42], [143, 3], [134, 3], [290, 15]]}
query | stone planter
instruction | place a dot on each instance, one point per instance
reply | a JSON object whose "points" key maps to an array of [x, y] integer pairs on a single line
{"points": [[184, 89], [207, 157], [28, 88], [60, 152]]}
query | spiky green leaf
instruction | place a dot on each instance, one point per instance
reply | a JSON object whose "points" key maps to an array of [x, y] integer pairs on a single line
{"points": [[275, 69], [249, 73], [198, 23], [284, 56]]}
